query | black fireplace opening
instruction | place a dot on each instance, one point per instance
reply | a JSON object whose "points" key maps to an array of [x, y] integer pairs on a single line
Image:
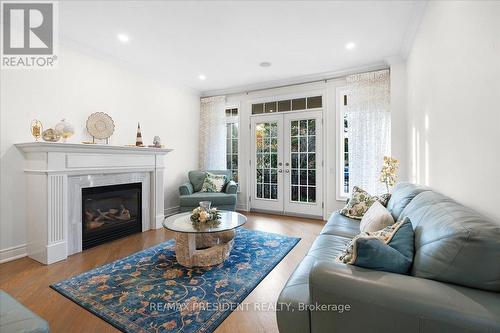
{"points": [[110, 212]]}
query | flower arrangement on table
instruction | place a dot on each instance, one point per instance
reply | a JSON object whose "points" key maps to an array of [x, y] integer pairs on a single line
{"points": [[203, 217], [388, 174]]}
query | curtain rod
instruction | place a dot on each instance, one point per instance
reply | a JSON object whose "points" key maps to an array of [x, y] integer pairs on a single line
{"points": [[339, 76]]}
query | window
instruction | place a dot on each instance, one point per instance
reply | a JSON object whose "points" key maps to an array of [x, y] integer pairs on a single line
{"points": [[314, 102], [343, 157], [232, 141]]}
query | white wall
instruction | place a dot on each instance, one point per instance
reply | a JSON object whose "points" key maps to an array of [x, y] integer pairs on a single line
{"points": [[84, 84], [399, 145], [454, 102]]}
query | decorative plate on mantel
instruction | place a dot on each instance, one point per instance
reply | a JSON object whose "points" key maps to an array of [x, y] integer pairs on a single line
{"points": [[100, 125]]}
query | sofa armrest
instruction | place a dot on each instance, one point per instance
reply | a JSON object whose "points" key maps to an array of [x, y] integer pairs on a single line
{"points": [[232, 187], [407, 302], [186, 189]]}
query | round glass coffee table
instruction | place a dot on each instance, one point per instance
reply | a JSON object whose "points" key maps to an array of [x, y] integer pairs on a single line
{"points": [[204, 245]]}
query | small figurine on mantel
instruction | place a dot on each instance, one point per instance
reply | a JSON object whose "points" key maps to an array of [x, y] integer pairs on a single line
{"points": [[138, 140], [156, 142]]}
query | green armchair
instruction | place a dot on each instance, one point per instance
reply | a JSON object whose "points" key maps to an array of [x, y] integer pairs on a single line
{"points": [[190, 194]]}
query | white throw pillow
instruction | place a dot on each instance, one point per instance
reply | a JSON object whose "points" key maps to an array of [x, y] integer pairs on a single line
{"points": [[377, 217]]}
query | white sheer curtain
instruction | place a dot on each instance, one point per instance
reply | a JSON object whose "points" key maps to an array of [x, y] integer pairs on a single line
{"points": [[369, 123], [212, 133]]}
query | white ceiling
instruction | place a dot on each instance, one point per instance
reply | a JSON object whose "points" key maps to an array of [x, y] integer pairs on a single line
{"points": [[226, 41]]}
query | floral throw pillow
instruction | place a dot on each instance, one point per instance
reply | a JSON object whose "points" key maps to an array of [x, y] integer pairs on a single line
{"points": [[360, 201], [213, 183]]}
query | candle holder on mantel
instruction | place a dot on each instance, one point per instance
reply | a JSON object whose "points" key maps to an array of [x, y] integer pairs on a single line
{"points": [[36, 129]]}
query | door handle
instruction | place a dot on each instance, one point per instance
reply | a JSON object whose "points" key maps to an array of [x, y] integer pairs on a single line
{"points": [[286, 164], [280, 171], [280, 164], [287, 171]]}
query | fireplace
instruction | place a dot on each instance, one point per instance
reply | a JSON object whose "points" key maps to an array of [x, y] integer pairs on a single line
{"points": [[110, 212]]}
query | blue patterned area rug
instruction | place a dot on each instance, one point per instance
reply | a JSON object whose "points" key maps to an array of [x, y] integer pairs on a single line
{"points": [[150, 292]]}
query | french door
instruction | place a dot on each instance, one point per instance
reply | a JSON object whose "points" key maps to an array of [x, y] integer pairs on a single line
{"points": [[286, 163]]}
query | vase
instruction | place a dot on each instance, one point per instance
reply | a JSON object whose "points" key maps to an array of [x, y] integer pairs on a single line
{"points": [[205, 205], [64, 129]]}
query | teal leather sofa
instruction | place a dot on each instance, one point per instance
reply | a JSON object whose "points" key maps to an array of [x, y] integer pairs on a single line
{"points": [[453, 285], [15, 317], [190, 194]]}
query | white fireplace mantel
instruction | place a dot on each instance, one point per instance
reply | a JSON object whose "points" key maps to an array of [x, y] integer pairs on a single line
{"points": [[56, 173]]}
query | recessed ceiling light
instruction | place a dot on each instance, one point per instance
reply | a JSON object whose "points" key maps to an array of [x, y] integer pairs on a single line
{"points": [[265, 64], [350, 46], [123, 38], [202, 77]]}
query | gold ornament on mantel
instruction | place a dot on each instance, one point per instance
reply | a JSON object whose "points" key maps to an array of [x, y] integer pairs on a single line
{"points": [[36, 129], [388, 174], [50, 135]]}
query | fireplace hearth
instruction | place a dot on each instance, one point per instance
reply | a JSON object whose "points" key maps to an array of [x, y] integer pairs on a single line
{"points": [[110, 212]]}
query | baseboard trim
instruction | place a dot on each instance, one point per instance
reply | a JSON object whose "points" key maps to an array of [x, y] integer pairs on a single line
{"points": [[172, 210], [243, 208], [307, 216], [13, 253]]}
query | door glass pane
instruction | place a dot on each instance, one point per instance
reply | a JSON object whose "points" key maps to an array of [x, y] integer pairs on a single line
{"points": [[274, 176], [295, 161], [266, 140], [295, 193], [311, 127], [295, 128], [295, 177], [274, 192], [303, 163], [267, 191]]}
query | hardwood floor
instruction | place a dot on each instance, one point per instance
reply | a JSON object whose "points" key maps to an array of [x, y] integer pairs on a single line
{"points": [[28, 281]]}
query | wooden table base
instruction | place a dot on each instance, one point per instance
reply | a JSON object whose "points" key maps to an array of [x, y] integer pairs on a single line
{"points": [[202, 250]]}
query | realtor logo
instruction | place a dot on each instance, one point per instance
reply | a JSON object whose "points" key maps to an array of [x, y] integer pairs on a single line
{"points": [[28, 35]]}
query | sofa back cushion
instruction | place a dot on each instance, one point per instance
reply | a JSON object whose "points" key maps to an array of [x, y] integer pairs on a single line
{"points": [[401, 196], [196, 177], [454, 243]]}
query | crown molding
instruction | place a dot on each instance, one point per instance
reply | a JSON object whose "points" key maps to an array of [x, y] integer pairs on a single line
{"points": [[297, 80]]}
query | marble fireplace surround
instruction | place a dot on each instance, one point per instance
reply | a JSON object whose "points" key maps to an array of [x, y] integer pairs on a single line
{"points": [[55, 175]]}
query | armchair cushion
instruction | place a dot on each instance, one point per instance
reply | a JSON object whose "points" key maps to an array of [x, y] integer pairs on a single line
{"points": [[232, 187], [217, 199], [186, 189]]}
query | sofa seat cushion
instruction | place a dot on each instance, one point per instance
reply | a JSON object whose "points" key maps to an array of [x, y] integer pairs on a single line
{"points": [[291, 315], [15, 317], [454, 243], [401, 196], [216, 199], [341, 225]]}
